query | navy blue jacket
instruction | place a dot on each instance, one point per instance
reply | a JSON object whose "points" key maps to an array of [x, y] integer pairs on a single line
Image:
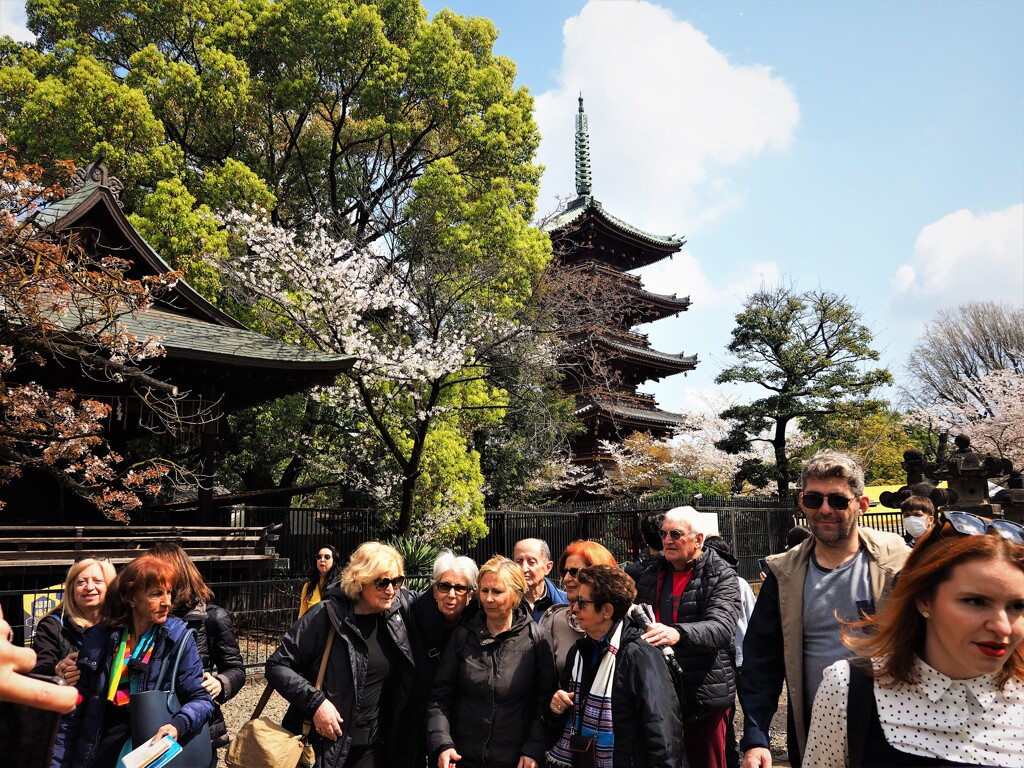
{"points": [[552, 596], [77, 742]]}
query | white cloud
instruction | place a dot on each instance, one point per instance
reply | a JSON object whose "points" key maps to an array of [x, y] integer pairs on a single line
{"points": [[962, 257], [668, 115], [13, 20]]}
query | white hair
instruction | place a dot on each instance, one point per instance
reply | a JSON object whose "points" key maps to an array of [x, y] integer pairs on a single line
{"points": [[693, 519], [462, 565]]}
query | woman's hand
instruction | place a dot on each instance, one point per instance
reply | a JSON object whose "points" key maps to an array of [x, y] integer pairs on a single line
{"points": [[68, 669], [165, 730], [449, 757], [560, 702], [526, 762], [327, 721], [212, 685]]}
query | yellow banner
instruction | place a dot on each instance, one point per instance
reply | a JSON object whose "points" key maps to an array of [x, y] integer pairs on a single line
{"points": [[36, 605]]}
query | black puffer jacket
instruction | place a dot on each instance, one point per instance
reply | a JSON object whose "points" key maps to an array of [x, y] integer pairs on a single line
{"points": [[645, 711], [293, 667], [489, 693], [706, 620], [218, 649]]}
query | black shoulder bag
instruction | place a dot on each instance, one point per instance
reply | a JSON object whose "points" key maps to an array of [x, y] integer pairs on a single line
{"points": [[152, 709]]}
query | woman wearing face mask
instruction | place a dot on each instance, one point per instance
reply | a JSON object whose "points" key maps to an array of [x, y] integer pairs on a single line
{"points": [[322, 574], [432, 621], [58, 634], [918, 517], [559, 622], [356, 715]]}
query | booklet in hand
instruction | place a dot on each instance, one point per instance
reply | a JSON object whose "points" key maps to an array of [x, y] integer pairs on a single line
{"points": [[152, 754]]}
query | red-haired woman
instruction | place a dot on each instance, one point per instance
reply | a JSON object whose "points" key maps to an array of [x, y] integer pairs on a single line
{"points": [[945, 682], [558, 622], [124, 654]]}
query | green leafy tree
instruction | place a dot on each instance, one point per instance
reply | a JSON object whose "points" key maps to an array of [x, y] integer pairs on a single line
{"points": [[877, 437], [809, 352]]}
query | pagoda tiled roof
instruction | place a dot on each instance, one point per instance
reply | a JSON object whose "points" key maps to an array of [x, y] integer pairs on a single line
{"points": [[680, 362], [628, 414], [587, 203]]}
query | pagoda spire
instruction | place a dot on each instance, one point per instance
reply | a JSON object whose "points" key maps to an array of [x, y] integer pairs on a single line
{"points": [[583, 180]]}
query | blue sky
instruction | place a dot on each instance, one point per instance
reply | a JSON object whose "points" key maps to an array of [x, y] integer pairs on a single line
{"points": [[870, 148]]}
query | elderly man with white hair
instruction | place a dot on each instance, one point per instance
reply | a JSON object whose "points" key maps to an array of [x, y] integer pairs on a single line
{"points": [[696, 602]]}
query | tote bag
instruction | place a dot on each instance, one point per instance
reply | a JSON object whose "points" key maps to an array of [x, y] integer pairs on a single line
{"points": [[152, 709]]}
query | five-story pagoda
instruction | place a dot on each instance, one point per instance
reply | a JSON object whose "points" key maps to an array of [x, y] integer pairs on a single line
{"points": [[606, 360]]}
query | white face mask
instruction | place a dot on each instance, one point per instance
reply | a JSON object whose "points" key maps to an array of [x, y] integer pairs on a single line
{"points": [[915, 526]]}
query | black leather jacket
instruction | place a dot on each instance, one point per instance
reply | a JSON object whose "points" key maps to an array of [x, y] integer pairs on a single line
{"points": [[293, 667], [218, 649]]}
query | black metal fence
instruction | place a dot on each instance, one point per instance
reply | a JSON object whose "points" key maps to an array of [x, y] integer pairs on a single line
{"points": [[264, 604], [753, 527]]}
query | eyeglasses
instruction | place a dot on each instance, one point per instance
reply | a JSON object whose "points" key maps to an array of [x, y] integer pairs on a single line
{"points": [[571, 572], [814, 500], [382, 584], [325, 557], [580, 602], [968, 524], [444, 588], [675, 535]]}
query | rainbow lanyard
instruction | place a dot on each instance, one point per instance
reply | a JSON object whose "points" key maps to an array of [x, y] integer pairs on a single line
{"points": [[142, 652]]}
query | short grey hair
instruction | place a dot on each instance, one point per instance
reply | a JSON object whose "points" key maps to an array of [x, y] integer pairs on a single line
{"points": [[826, 464], [687, 515], [462, 565]]}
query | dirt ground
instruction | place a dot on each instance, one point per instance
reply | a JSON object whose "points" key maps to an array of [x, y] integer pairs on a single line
{"points": [[240, 708]]}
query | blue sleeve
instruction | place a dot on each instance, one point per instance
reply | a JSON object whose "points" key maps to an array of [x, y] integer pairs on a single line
{"points": [[764, 666], [196, 704]]}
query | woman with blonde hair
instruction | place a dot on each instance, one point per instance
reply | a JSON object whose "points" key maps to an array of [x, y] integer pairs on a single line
{"points": [[58, 635], [559, 622], [496, 676], [356, 714], [940, 679]]}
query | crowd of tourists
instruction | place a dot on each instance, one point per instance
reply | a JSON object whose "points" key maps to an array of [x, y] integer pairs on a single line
{"points": [[892, 652]]}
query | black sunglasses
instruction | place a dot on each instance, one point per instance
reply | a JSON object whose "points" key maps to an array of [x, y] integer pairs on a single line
{"points": [[580, 602], [459, 589], [325, 557], [382, 584], [667, 533], [573, 572], [814, 500], [968, 524]]}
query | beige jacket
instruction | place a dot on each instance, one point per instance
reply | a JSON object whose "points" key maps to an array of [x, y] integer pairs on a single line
{"points": [[886, 552]]}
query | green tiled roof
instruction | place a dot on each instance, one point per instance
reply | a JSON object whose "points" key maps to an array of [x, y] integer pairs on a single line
{"points": [[188, 338], [581, 205], [54, 212]]}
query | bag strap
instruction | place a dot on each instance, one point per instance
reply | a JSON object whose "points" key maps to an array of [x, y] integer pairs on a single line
{"points": [[177, 661], [306, 726], [859, 708]]}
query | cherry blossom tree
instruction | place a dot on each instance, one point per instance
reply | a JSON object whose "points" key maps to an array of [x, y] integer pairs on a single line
{"points": [[427, 331], [60, 304]]}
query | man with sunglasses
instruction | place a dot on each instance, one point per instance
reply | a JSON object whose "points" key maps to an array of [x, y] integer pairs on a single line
{"points": [[696, 601], [843, 571]]}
